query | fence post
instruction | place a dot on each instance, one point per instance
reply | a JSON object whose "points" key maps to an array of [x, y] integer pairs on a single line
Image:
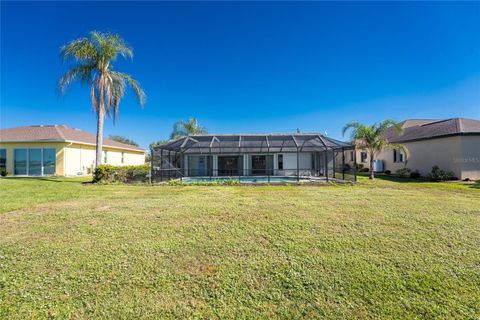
{"points": [[151, 165], [326, 163]]}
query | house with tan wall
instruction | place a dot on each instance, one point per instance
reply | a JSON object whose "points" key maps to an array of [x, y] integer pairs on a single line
{"points": [[60, 150], [451, 144]]}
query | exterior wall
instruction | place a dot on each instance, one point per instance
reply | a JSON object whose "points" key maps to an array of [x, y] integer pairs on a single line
{"points": [[58, 146], [73, 159], [469, 158], [80, 159], [459, 154]]}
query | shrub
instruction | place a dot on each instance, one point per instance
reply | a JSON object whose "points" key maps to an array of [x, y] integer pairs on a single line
{"points": [[3, 173], [226, 182], [364, 170], [387, 172], [415, 174], [107, 173], [404, 172], [359, 166], [439, 175]]}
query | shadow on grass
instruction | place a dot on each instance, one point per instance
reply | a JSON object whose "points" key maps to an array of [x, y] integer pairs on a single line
{"points": [[394, 178], [52, 179], [475, 185], [470, 184]]}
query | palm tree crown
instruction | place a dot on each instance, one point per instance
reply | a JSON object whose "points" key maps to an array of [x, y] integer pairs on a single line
{"points": [[373, 139], [183, 129], [93, 58]]}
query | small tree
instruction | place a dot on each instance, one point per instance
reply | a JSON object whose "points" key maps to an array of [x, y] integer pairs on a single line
{"points": [[122, 139], [183, 129], [372, 138]]}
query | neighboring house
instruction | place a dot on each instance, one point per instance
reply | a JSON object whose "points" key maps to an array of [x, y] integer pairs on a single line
{"points": [[451, 144], [299, 154], [44, 150]]}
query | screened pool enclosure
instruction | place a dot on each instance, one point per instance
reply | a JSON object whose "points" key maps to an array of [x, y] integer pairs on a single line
{"points": [[254, 157]]}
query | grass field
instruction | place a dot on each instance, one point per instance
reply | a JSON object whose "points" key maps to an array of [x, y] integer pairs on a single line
{"points": [[381, 249]]}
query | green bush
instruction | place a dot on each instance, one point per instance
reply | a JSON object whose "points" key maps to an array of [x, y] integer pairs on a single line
{"points": [[107, 173], [439, 175], [415, 174], [226, 182], [404, 172]]}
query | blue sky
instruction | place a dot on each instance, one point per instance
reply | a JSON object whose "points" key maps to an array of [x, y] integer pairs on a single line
{"points": [[245, 67]]}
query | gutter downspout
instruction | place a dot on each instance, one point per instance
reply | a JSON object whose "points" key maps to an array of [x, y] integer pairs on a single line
{"points": [[65, 158]]}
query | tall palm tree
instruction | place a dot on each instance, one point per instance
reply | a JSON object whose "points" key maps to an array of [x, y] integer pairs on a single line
{"points": [[93, 59], [372, 138], [183, 129]]}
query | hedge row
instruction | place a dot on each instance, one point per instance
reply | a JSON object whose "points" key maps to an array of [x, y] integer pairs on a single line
{"points": [[107, 173]]}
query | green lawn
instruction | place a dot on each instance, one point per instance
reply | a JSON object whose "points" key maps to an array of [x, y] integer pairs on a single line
{"points": [[381, 249]]}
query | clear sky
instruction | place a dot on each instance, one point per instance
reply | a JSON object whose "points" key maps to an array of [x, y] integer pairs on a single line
{"points": [[245, 67]]}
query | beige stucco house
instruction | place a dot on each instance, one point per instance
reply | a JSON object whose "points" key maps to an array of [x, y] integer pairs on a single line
{"points": [[451, 144], [60, 150]]}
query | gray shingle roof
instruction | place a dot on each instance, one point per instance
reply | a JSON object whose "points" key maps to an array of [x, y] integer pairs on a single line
{"points": [[57, 133], [414, 129], [269, 142]]}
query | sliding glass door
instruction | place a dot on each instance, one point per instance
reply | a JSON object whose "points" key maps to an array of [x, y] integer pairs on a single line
{"points": [[20, 162], [34, 162], [49, 161], [3, 161], [262, 165]]}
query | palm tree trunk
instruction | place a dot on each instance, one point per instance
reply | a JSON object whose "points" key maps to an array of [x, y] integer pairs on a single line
{"points": [[100, 120], [372, 176]]}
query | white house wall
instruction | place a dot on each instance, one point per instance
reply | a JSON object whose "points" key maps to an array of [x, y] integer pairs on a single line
{"points": [[80, 159]]}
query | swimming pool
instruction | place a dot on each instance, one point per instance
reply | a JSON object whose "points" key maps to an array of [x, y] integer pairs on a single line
{"points": [[260, 179]]}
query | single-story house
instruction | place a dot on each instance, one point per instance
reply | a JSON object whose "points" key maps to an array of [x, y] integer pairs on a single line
{"points": [[300, 155], [43, 150], [451, 144]]}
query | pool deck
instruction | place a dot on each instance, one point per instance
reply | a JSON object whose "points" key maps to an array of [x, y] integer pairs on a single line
{"points": [[260, 179]]}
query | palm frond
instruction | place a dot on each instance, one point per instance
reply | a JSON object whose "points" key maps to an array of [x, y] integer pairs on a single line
{"points": [[386, 124], [80, 49], [351, 125], [82, 72], [111, 45], [135, 85]]}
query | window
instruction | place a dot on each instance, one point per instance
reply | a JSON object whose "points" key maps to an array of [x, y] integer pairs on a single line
{"points": [[352, 155], [397, 156], [105, 156], [123, 157], [363, 156], [3, 160], [20, 161], [34, 162], [280, 162], [49, 156]]}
